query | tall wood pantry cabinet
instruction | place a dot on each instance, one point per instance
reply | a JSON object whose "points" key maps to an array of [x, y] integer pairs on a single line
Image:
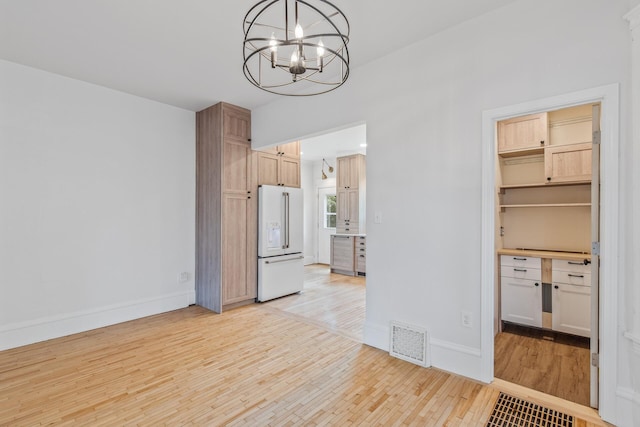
{"points": [[280, 165], [350, 194], [226, 208]]}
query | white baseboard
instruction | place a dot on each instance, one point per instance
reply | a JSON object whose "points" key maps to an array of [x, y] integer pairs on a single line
{"points": [[376, 336], [445, 355], [308, 260], [456, 358], [45, 328]]}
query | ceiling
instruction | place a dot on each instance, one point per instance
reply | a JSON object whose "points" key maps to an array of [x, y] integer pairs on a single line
{"points": [[335, 144], [188, 53]]}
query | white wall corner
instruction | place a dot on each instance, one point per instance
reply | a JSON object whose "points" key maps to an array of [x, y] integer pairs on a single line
{"points": [[376, 336], [23, 333]]}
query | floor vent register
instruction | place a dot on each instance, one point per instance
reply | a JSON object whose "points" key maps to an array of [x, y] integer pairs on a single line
{"points": [[511, 411]]}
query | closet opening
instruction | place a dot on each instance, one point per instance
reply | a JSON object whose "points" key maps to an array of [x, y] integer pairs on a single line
{"points": [[546, 297]]}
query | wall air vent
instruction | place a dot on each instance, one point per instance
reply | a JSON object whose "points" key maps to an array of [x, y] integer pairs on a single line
{"points": [[409, 343]]}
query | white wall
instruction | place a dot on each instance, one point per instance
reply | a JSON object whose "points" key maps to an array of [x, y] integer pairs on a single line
{"points": [[309, 194], [97, 206], [423, 109]]}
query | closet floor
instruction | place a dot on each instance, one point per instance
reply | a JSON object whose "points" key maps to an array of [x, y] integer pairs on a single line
{"points": [[549, 362]]}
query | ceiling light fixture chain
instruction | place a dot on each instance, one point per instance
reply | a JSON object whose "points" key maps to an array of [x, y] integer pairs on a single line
{"points": [[310, 60]]}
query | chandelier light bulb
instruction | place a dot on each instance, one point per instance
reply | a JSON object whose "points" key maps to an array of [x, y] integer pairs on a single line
{"points": [[273, 43], [294, 57], [320, 49], [320, 55], [298, 31]]}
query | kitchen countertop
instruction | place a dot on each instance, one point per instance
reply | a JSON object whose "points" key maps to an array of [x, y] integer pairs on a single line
{"points": [[572, 256], [349, 234]]}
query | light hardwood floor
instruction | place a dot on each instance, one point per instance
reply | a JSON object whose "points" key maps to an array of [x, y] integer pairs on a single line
{"points": [[552, 363], [281, 363]]}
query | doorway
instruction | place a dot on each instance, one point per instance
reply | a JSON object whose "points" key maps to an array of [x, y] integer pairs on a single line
{"points": [[607, 97], [326, 222]]}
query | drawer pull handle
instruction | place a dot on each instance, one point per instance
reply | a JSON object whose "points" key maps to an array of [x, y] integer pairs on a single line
{"points": [[576, 275], [520, 269], [361, 256], [556, 286], [575, 263], [537, 284], [519, 259]]}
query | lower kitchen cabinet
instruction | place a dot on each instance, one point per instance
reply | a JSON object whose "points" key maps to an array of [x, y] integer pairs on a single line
{"points": [[521, 292], [571, 309], [361, 255], [349, 254], [343, 254], [522, 301]]}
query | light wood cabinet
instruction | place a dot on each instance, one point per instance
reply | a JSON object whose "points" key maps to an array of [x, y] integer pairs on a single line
{"points": [[349, 172], [521, 290], [351, 194], [523, 134], [568, 163], [343, 254], [545, 192], [280, 165], [226, 208]]}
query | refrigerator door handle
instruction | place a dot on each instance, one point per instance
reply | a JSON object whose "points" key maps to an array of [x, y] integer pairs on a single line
{"points": [[284, 222], [284, 260], [287, 215]]}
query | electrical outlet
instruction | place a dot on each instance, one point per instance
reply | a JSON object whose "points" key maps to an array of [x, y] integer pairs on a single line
{"points": [[465, 319], [183, 277]]}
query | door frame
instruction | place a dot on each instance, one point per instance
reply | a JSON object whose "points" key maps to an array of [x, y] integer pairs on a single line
{"points": [[320, 222], [608, 97]]}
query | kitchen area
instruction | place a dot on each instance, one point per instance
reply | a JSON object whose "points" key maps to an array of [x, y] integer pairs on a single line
{"points": [[257, 221]]}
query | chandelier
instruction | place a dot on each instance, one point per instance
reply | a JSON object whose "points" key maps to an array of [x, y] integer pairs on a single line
{"points": [[296, 47]]}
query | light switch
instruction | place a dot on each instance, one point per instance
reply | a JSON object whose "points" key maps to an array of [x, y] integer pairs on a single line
{"points": [[377, 217]]}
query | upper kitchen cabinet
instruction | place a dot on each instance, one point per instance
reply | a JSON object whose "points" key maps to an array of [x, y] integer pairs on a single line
{"points": [[349, 172], [280, 165], [525, 134], [568, 163], [350, 194], [226, 208]]}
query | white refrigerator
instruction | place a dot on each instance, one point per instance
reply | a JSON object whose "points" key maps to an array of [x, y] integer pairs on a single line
{"points": [[280, 228]]}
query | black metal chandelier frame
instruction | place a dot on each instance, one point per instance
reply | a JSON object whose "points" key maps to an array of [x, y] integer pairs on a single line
{"points": [[295, 72]]}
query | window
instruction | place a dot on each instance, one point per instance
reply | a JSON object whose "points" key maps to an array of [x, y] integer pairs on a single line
{"points": [[330, 211]]}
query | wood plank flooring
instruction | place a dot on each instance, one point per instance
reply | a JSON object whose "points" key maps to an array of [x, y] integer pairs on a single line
{"points": [[551, 363], [258, 365], [332, 301]]}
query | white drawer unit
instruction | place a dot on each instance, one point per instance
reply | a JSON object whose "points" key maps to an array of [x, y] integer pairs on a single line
{"points": [[521, 290], [521, 272], [520, 261], [571, 266]]}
